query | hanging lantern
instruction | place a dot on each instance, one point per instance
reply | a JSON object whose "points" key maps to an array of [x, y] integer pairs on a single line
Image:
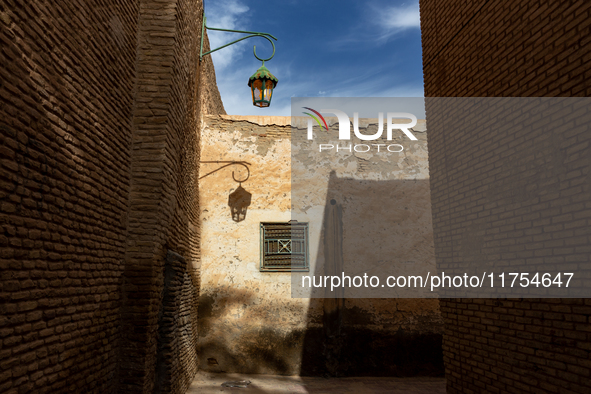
{"points": [[262, 83]]}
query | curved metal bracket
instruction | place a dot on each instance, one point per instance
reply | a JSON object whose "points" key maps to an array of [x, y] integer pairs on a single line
{"points": [[227, 164], [251, 34], [245, 179]]}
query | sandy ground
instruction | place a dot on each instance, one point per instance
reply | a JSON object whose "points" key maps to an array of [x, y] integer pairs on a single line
{"points": [[209, 383]]}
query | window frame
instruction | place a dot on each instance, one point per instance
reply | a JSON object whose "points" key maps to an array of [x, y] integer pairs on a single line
{"points": [[263, 265]]}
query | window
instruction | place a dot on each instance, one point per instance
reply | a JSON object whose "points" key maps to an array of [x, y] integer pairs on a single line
{"points": [[284, 247]]}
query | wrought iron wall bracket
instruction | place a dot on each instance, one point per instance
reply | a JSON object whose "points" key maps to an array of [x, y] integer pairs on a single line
{"points": [[251, 34], [227, 164]]}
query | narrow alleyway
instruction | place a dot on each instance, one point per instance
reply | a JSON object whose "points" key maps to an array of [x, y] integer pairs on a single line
{"points": [[209, 383]]}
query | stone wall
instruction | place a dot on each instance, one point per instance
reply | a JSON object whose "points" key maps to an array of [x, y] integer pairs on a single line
{"points": [[99, 106], [493, 48], [248, 320]]}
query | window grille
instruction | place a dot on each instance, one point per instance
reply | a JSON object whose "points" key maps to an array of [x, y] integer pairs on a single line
{"points": [[284, 246]]}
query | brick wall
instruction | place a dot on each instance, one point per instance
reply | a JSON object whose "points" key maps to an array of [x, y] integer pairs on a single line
{"points": [[497, 48], [493, 48], [100, 104], [66, 100]]}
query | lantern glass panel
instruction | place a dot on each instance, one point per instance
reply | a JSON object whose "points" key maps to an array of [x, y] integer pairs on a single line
{"points": [[257, 92], [268, 90]]}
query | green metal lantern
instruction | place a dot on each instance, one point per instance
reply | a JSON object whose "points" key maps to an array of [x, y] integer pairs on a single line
{"points": [[262, 83]]}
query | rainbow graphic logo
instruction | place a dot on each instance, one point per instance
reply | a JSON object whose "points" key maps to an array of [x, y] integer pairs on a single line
{"points": [[315, 118]]}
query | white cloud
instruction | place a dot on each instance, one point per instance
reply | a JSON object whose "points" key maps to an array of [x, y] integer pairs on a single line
{"points": [[398, 18], [226, 14], [380, 23], [237, 100]]}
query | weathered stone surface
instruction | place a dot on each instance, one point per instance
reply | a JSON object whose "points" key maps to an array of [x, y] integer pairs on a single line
{"points": [[248, 320]]}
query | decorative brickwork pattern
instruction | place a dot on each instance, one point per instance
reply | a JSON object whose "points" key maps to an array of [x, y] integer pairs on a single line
{"points": [[497, 48], [100, 104]]}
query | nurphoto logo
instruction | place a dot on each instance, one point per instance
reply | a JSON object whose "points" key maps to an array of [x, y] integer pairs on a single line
{"points": [[345, 129]]}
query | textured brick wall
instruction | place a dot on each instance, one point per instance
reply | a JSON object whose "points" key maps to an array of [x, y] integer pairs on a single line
{"points": [[499, 48], [177, 329], [66, 89], [100, 104], [163, 211], [494, 48]]}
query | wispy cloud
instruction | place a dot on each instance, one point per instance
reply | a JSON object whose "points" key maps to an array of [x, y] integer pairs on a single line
{"points": [[382, 22], [398, 17], [342, 73], [226, 14]]}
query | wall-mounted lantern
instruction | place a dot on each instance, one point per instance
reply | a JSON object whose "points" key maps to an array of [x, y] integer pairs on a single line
{"points": [[262, 82]]}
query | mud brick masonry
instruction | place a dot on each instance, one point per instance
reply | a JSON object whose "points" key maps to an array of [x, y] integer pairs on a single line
{"points": [[100, 103], [498, 48]]}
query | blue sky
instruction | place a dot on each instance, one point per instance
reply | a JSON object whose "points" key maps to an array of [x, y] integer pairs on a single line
{"points": [[325, 48]]}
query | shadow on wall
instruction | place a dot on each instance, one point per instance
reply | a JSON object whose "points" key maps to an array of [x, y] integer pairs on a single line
{"points": [[387, 221], [240, 199], [246, 345], [336, 337]]}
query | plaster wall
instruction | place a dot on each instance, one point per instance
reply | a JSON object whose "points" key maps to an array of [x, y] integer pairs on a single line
{"points": [[248, 320]]}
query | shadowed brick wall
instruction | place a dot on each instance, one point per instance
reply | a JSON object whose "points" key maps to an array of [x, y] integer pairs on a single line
{"points": [[100, 104], [493, 48], [497, 48]]}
